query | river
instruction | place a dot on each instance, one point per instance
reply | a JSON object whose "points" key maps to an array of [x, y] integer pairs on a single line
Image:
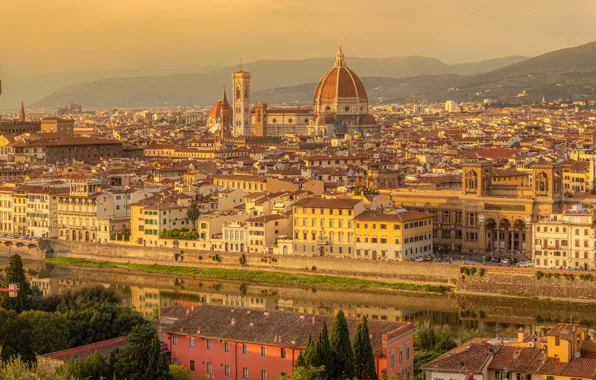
{"points": [[144, 292]]}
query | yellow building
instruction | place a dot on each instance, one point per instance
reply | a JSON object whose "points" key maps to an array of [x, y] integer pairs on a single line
{"points": [[565, 353], [394, 235], [325, 226], [241, 181]]}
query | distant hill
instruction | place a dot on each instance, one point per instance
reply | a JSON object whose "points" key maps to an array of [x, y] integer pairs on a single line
{"points": [[205, 88], [566, 73]]}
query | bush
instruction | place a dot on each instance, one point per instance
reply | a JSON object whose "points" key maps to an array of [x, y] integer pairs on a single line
{"points": [[557, 275], [473, 271], [481, 272], [243, 260], [314, 268], [548, 275], [539, 275]]}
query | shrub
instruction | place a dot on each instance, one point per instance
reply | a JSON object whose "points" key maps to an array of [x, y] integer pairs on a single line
{"points": [[539, 275], [548, 275], [314, 268], [557, 275], [481, 272], [473, 271], [243, 260]]}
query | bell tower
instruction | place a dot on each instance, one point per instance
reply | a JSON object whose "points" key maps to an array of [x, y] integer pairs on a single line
{"points": [[477, 178], [241, 103]]}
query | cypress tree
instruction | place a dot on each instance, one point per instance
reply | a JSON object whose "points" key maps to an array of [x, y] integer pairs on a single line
{"points": [[310, 354], [364, 360], [324, 353], [15, 274], [342, 363], [157, 368]]}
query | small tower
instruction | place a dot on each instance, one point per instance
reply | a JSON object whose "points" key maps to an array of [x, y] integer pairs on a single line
{"points": [[22, 113], [241, 103]]}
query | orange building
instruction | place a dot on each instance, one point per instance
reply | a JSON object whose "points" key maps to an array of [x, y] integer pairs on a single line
{"points": [[235, 343]]}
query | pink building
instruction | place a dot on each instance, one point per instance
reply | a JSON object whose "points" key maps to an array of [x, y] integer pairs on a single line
{"points": [[236, 343]]}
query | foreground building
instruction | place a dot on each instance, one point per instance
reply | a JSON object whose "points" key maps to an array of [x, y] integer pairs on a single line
{"points": [[224, 342], [564, 353]]}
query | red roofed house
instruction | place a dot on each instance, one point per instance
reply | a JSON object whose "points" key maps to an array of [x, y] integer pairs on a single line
{"points": [[235, 343]]}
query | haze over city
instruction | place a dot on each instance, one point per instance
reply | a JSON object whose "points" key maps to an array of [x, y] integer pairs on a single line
{"points": [[49, 44], [298, 190]]}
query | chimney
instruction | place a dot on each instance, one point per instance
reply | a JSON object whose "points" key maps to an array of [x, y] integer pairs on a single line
{"points": [[520, 335], [251, 324], [516, 354], [233, 321], [313, 319]]}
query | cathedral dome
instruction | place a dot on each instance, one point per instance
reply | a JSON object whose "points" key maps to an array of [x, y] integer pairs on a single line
{"points": [[215, 110], [340, 82]]}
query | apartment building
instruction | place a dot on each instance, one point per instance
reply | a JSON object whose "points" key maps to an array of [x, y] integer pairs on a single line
{"points": [[238, 343], [325, 226], [393, 234], [262, 232], [566, 240], [77, 210], [564, 353]]}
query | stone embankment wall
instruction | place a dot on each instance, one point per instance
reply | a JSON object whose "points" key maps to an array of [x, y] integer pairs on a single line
{"points": [[524, 282], [428, 273], [519, 282]]}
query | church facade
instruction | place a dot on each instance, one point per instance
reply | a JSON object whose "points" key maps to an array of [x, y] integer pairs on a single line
{"points": [[340, 107]]}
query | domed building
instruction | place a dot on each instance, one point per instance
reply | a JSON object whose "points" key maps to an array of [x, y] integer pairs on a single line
{"points": [[220, 113], [341, 103]]}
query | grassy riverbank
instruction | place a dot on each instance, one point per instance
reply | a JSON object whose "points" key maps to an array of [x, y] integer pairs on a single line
{"points": [[252, 275]]}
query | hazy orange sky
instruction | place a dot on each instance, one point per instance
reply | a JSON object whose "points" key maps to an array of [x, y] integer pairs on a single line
{"points": [[59, 35]]}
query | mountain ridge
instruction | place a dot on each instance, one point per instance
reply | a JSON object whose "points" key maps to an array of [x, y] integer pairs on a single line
{"points": [[266, 75]]}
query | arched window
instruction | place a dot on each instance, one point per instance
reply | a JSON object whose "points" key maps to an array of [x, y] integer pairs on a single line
{"points": [[237, 94], [258, 116], [245, 93]]}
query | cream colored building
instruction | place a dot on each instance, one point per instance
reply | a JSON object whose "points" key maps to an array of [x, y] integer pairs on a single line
{"points": [[566, 240]]}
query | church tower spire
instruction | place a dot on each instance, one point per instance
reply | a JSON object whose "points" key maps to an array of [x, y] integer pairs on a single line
{"points": [[339, 58], [22, 113]]}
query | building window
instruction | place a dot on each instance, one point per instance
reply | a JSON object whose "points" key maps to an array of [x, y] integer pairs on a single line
{"points": [[208, 344], [227, 370], [283, 352], [245, 373], [245, 348], [392, 358], [209, 368], [408, 351], [263, 375], [192, 365], [263, 351], [192, 342], [227, 346], [174, 340]]}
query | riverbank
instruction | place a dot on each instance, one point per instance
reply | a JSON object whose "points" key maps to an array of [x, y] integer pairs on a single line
{"points": [[250, 275]]}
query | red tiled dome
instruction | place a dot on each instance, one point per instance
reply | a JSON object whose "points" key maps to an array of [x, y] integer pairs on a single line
{"points": [[215, 110], [340, 82]]}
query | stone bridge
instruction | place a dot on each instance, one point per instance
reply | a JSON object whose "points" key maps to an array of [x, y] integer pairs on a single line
{"points": [[26, 247]]}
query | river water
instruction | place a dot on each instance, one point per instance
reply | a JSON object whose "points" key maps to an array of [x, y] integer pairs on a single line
{"points": [[494, 315]]}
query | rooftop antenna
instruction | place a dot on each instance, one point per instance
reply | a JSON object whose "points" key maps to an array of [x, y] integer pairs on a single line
{"points": [[240, 64]]}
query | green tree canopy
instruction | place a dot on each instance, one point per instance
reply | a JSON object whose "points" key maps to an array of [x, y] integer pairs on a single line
{"points": [[342, 365], [93, 367], [15, 274], [364, 359], [140, 359], [193, 213], [15, 336], [49, 331]]}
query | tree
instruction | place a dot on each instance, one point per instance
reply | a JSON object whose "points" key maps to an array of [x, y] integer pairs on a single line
{"points": [[179, 372], [157, 362], [139, 359], [15, 336], [306, 373], [49, 331], [364, 359], [324, 354], [193, 213], [16, 275], [93, 367], [342, 363]]}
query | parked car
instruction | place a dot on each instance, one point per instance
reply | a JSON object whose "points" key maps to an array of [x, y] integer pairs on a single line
{"points": [[505, 261], [521, 264], [427, 258], [419, 259]]}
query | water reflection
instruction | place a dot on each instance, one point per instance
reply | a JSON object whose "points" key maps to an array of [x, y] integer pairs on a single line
{"points": [[501, 316]]}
